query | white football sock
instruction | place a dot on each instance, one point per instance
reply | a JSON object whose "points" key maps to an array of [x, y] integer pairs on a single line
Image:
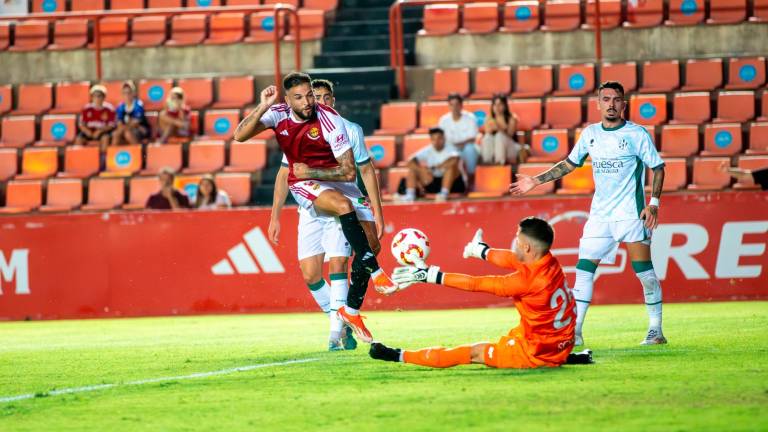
{"points": [[652, 293], [582, 293], [339, 291], [410, 193], [321, 292]]}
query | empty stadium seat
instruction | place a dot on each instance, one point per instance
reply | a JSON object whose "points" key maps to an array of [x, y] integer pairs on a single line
{"points": [[727, 11], [203, 3], [430, 113], [413, 143], [722, 139], [38, 163], [154, 92], [561, 15], [71, 97], [549, 145], [126, 4], [221, 124], [448, 81], [234, 92], [22, 196], [579, 182], [759, 11], [610, 14], [262, 27], [30, 35], [187, 30], [751, 163], [114, 32], [57, 130], [492, 181], [205, 157], [528, 113], [87, 5], [758, 139], [325, 5], [5, 35], [17, 131], [160, 156], [226, 28], [625, 73], [533, 81], [763, 107], [691, 108], [703, 75], [312, 24], [534, 169], [69, 33], [707, 174], [165, 4], [492, 80], [442, 19], [122, 161], [685, 12], [236, 185], [247, 156], [746, 73], [63, 195], [660, 76], [479, 18], [139, 191], [295, 3], [80, 162], [394, 176], [397, 118], [679, 140], [9, 163], [480, 108], [382, 149], [147, 31], [6, 98], [563, 113], [593, 111], [105, 194], [650, 109], [641, 14], [675, 175], [49, 6], [575, 80], [33, 99], [114, 92], [198, 92], [521, 16], [735, 106]]}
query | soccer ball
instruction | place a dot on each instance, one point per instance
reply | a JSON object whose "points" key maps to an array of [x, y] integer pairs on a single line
{"points": [[409, 245]]}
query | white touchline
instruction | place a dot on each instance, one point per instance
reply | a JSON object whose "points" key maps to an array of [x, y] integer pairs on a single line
{"points": [[153, 380]]}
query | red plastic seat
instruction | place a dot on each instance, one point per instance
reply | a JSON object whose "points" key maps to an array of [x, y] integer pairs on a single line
{"points": [[575, 80], [675, 174], [758, 139], [312, 24], [114, 92], [234, 92], [641, 14], [561, 15], [648, 109], [226, 28], [22, 196], [5, 35], [71, 97], [579, 182], [610, 14], [31, 35], [398, 118], [87, 5], [203, 3], [480, 108], [707, 174], [679, 140], [625, 73], [247, 156], [521, 16], [63, 195], [563, 113], [661, 76], [691, 108], [533, 81], [154, 92], [205, 157], [139, 191], [727, 11], [187, 30], [528, 113], [17, 131], [763, 107], [126, 4], [394, 176], [746, 73], [382, 149], [236, 185], [6, 98], [722, 139], [703, 75], [57, 130], [105, 194], [114, 32], [751, 163], [161, 156], [492, 80], [165, 4], [759, 11], [324, 5], [442, 19], [70, 33], [262, 26], [593, 111], [430, 113], [198, 92], [49, 6], [80, 162], [449, 81], [492, 181], [38, 163], [534, 169], [413, 143], [549, 145], [122, 161], [9, 163], [294, 3], [147, 31], [221, 124], [685, 12], [480, 18], [735, 106]]}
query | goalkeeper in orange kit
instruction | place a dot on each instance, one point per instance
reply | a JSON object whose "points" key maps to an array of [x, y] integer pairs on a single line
{"points": [[537, 284]]}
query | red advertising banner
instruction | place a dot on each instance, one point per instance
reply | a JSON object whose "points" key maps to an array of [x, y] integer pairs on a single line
{"points": [[709, 246]]}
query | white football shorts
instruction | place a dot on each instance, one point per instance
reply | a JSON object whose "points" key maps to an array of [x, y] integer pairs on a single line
{"points": [[600, 240]]}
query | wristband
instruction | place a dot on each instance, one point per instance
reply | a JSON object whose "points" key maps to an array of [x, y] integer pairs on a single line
{"points": [[653, 202]]}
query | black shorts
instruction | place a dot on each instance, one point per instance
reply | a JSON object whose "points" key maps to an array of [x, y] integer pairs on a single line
{"points": [[87, 138], [458, 186]]}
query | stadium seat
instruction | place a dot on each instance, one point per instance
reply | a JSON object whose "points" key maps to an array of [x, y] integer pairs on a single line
{"points": [[758, 139], [234, 92], [203, 3], [187, 30], [6, 98], [80, 162], [735, 106], [563, 113], [114, 92], [105, 194], [533, 169], [30, 35], [139, 191], [575, 80], [38, 163], [722, 139], [746, 73], [198, 92], [430, 113], [160, 156], [154, 92], [294, 3], [528, 113], [397, 118], [236, 185], [413, 143], [691, 108], [448, 81], [122, 161], [247, 156], [610, 14], [126, 4], [675, 174], [480, 108], [561, 15], [521, 16], [69, 33], [759, 11], [625, 73], [226, 28], [243, 2], [63, 195], [685, 12], [533, 81], [549, 145], [641, 14], [727, 11], [312, 24], [492, 80], [164, 4], [593, 111], [71, 97], [22, 196], [650, 109], [751, 163], [707, 174], [34, 99], [262, 24], [324, 5], [441, 19], [87, 5], [147, 31], [660, 76], [579, 182], [9, 163], [382, 149], [17, 131], [394, 177], [114, 32], [49, 6], [480, 18], [221, 124], [703, 75], [57, 130], [205, 157], [492, 181], [763, 107], [679, 140], [5, 35]]}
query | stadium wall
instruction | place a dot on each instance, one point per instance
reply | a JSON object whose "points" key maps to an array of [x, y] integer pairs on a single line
{"points": [[711, 246]]}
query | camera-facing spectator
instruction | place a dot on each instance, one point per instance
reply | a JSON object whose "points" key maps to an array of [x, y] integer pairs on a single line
{"points": [[174, 118], [132, 124], [209, 197], [498, 146], [433, 169], [460, 129], [168, 197], [97, 119]]}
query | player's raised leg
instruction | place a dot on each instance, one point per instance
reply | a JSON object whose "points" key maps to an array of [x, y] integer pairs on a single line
{"points": [[582, 293], [640, 255]]}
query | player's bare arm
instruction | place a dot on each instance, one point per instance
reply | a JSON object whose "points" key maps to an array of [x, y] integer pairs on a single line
{"points": [[525, 183], [368, 174], [651, 212], [344, 172], [251, 124], [280, 194]]}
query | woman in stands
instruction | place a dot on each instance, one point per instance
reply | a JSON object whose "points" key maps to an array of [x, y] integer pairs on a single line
{"points": [[209, 197], [132, 125], [174, 118], [498, 146]]}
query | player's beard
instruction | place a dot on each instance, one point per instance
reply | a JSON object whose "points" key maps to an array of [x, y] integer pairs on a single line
{"points": [[302, 116], [612, 116]]}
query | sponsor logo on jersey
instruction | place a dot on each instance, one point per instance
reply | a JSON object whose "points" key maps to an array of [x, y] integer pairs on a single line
{"points": [[314, 133], [284, 132], [607, 166]]}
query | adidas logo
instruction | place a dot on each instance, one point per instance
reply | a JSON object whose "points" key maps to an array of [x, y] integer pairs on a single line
{"points": [[243, 259], [284, 132]]}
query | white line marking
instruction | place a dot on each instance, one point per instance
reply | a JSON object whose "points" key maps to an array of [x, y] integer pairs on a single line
{"points": [[153, 380]]}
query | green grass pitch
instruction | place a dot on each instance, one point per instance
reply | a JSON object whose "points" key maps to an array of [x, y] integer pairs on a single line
{"points": [[713, 376]]}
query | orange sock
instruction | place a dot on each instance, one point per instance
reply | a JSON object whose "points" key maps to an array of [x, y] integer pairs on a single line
{"points": [[439, 357]]}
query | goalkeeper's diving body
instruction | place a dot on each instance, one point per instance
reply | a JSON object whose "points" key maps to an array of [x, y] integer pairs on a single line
{"points": [[537, 284]]}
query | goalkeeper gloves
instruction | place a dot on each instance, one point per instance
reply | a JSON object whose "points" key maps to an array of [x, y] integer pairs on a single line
{"points": [[409, 275], [476, 248]]}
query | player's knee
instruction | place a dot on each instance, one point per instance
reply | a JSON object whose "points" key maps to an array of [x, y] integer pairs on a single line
{"points": [[343, 205], [478, 353], [337, 265]]}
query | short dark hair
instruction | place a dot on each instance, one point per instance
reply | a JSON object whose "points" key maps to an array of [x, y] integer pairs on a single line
{"points": [[436, 130], [538, 229], [456, 96], [323, 83], [294, 79], [615, 85]]}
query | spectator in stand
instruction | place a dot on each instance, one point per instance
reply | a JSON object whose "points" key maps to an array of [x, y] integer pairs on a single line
{"points": [[174, 118], [460, 129], [498, 146], [132, 125], [97, 120], [209, 197], [433, 169], [168, 198], [759, 177]]}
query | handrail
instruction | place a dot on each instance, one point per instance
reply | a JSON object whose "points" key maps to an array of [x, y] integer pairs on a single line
{"points": [[279, 10], [397, 52]]}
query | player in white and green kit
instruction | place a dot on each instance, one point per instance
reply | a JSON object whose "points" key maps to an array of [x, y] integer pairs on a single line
{"points": [[620, 151]]}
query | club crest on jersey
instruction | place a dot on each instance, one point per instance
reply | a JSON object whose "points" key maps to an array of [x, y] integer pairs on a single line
{"points": [[623, 144], [314, 133]]}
